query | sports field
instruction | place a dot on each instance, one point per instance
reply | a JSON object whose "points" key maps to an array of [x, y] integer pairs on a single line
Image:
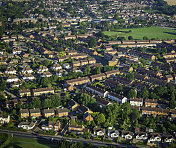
{"points": [[171, 2], [30, 143], [139, 33]]}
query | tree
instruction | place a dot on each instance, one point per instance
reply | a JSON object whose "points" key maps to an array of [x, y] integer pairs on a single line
{"points": [[131, 93], [160, 90], [87, 70], [118, 88], [172, 103], [100, 118], [130, 38], [145, 38], [130, 76], [98, 70], [92, 43], [134, 115], [144, 93], [2, 84]]}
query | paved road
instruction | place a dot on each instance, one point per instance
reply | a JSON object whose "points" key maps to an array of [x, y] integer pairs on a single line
{"points": [[59, 138]]}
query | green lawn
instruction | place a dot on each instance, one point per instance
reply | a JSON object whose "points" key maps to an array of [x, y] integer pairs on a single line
{"points": [[139, 33], [30, 143]]}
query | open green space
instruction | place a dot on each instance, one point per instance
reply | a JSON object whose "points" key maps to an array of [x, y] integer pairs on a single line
{"points": [[30, 143], [139, 33]]}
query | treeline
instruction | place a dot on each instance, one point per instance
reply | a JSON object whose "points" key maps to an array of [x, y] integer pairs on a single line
{"points": [[162, 7]]}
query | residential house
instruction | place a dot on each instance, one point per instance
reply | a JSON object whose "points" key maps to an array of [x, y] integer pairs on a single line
{"points": [[151, 102], [97, 77], [154, 111], [127, 135], [56, 67], [136, 101], [77, 81], [76, 63], [91, 61], [102, 102], [62, 112], [41, 91], [83, 62], [66, 65], [168, 78], [141, 136], [84, 109], [24, 92], [117, 97], [28, 77], [55, 126], [26, 125], [112, 73], [73, 105], [96, 90], [48, 112], [99, 131], [168, 139], [24, 113], [154, 137], [42, 69], [87, 117], [26, 70], [35, 113], [112, 132], [10, 70], [4, 119], [76, 128], [46, 74]]}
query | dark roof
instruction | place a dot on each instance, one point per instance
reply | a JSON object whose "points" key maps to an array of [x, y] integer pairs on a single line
{"points": [[61, 110]]}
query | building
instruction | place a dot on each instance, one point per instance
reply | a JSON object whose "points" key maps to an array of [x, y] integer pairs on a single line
{"points": [[136, 102], [127, 135], [116, 97], [151, 102], [4, 119], [35, 113], [77, 81], [26, 125], [72, 105], [97, 77], [62, 112], [41, 91], [76, 128], [24, 113], [48, 112], [99, 131], [24, 93], [112, 73], [55, 126], [87, 117]]}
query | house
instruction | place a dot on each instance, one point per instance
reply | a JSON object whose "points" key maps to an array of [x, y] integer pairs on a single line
{"points": [[154, 137], [87, 117], [72, 52], [117, 97], [96, 90], [4, 119], [83, 62], [48, 112], [127, 135], [26, 70], [46, 74], [66, 65], [97, 77], [28, 77], [127, 69], [76, 63], [41, 91], [154, 111], [173, 113], [72, 105], [12, 78], [62, 112], [136, 101], [102, 102], [112, 132], [76, 128], [168, 78], [35, 113], [56, 67], [168, 139], [112, 73], [141, 136], [83, 109], [24, 113], [55, 126], [42, 69], [24, 92], [10, 70], [99, 131], [77, 81], [91, 61], [151, 102], [26, 125]]}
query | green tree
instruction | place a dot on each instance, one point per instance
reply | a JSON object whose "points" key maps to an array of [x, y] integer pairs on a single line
{"points": [[87, 70], [92, 43], [118, 88], [100, 118], [145, 38], [172, 103], [144, 93], [131, 93], [2, 84], [130, 38]]}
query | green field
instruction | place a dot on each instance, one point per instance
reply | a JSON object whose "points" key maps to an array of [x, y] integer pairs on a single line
{"points": [[139, 33], [30, 143]]}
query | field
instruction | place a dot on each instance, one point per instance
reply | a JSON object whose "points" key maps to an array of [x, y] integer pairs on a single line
{"points": [[171, 2], [139, 33], [30, 143]]}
